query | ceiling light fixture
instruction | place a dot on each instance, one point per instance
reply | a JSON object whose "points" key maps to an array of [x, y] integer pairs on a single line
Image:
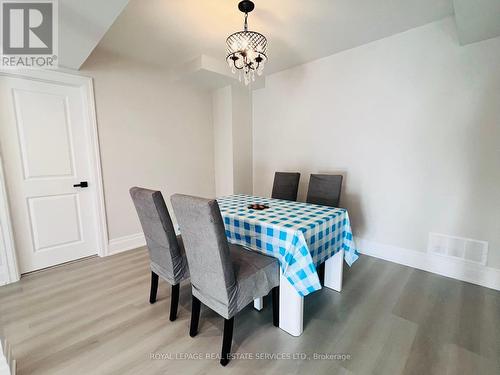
{"points": [[246, 50]]}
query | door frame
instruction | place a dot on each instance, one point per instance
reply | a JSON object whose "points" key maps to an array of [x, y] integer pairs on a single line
{"points": [[86, 84], [7, 251]]}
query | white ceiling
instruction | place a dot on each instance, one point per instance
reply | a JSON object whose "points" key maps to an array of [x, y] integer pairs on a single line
{"points": [[82, 24], [169, 32]]}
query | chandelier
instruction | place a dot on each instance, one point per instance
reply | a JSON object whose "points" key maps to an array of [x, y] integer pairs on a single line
{"points": [[246, 50]]}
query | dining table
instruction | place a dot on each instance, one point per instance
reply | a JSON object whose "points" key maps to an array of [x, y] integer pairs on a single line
{"points": [[302, 236]]}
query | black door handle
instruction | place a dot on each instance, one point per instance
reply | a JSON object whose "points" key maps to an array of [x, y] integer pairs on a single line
{"points": [[82, 184]]}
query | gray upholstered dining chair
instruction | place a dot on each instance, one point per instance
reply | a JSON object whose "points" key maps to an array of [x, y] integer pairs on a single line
{"points": [[166, 250], [324, 189], [224, 277], [286, 186]]}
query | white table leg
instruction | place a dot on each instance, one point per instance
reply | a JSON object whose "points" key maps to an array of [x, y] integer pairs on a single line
{"points": [[291, 308], [333, 271], [258, 303]]}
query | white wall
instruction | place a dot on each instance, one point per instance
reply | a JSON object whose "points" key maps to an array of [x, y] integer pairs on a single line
{"points": [[152, 132], [413, 121], [242, 139], [232, 121], [223, 140]]}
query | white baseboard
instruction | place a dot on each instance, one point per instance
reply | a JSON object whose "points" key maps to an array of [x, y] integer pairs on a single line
{"points": [[120, 244], [461, 270]]}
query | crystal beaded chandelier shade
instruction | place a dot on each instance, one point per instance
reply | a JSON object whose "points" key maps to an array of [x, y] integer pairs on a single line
{"points": [[246, 50]]}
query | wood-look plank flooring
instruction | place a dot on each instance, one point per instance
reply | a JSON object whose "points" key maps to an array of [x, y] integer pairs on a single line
{"points": [[93, 317]]}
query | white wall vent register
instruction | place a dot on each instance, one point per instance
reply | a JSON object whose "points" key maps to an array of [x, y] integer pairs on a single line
{"points": [[467, 249]]}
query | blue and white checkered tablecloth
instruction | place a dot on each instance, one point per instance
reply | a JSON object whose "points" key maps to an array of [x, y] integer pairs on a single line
{"points": [[300, 235]]}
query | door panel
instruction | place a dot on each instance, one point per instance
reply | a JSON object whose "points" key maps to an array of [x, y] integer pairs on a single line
{"points": [[61, 212], [43, 156], [45, 146]]}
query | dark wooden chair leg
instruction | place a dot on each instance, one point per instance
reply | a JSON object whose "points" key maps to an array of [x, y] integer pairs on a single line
{"points": [[321, 273], [174, 301], [276, 306], [227, 341], [195, 316], [154, 287]]}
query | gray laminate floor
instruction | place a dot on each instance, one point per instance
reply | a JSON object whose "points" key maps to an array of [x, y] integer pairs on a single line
{"points": [[93, 317]]}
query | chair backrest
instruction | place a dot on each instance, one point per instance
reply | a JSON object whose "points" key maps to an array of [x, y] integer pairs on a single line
{"points": [[158, 229], [324, 189], [286, 186], [207, 249]]}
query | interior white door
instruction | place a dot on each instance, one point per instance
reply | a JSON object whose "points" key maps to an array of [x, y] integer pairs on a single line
{"points": [[45, 148]]}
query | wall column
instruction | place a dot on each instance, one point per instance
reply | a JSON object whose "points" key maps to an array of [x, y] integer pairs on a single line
{"points": [[233, 136]]}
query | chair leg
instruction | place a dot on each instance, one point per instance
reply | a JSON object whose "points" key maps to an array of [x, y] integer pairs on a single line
{"points": [[227, 341], [174, 301], [154, 287], [321, 273], [276, 306], [195, 316]]}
